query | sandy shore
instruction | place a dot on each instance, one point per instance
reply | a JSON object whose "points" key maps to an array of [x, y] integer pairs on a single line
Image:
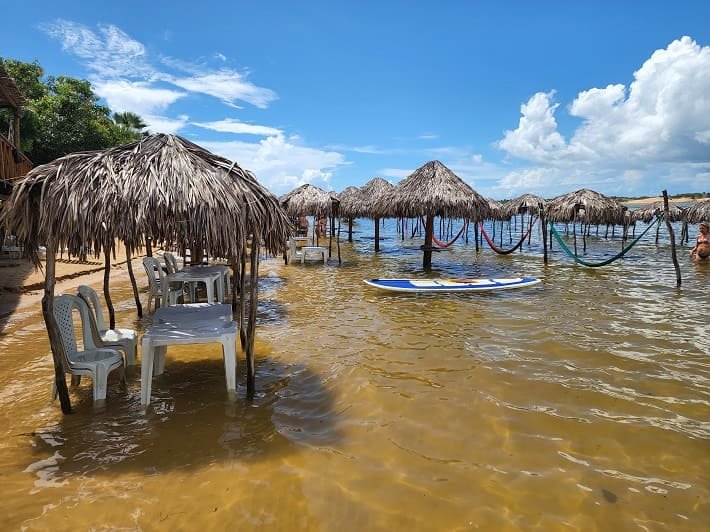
{"points": [[653, 200], [22, 286]]}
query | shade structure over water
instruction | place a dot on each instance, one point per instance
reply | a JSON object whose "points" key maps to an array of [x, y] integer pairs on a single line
{"points": [[646, 214], [432, 190], [309, 200], [161, 186], [373, 193], [526, 203], [349, 200], [698, 212], [597, 208]]}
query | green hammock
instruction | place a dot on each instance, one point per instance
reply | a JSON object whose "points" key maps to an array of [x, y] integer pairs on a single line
{"points": [[608, 261]]}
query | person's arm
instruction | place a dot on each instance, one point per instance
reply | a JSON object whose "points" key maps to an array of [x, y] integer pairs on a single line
{"points": [[695, 248]]}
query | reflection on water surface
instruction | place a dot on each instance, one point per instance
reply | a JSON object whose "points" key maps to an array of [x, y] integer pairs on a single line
{"points": [[581, 402]]}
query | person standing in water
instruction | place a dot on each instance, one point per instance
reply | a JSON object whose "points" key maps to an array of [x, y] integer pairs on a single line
{"points": [[701, 251]]}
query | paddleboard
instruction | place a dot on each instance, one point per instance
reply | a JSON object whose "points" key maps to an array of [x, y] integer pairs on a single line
{"points": [[451, 285]]}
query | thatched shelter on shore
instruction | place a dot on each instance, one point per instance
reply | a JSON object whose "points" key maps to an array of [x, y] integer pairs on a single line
{"points": [[372, 193], [432, 190], [161, 186]]}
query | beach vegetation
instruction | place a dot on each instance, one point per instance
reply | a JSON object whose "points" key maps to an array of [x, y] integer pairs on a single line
{"points": [[63, 115]]}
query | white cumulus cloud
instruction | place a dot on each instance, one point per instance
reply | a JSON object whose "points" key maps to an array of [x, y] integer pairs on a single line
{"points": [[660, 123], [231, 125], [136, 96], [280, 163]]}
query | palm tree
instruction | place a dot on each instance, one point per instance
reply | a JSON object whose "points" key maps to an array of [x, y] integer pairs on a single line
{"points": [[130, 121]]}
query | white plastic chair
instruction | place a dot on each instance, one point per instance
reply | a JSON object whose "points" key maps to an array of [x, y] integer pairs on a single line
{"points": [[170, 262], [156, 285], [126, 339], [93, 361], [172, 267]]}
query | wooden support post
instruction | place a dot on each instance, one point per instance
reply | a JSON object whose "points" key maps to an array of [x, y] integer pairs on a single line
{"points": [[55, 340], [337, 241], [129, 264], [253, 304], [107, 294], [350, 230], [377, 234], [671, 234], [428, 240], [543, 224]]}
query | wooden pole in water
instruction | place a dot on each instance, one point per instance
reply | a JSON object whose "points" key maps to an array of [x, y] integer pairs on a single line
{"points": [[107, 294], [428, 239], [377, 234], [55, 340], [350, 229], [134, 286], [543, 224], [253, 304], [671, 234]]}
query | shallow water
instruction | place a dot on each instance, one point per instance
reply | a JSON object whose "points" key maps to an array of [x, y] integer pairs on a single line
{"points": [[579, 403]]}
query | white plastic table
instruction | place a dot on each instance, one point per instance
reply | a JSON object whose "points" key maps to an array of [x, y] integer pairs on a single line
{"points": [[188, 324], [209, 275]]}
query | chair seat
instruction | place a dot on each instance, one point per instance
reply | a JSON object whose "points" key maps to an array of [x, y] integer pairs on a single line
{"points": [[93, 357]]}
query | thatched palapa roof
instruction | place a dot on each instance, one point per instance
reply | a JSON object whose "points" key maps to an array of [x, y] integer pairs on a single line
{"points": [[372, 193], [646, 214], [698, 212], [524, 203], [308, 200], [349, 200], [598, 208], [161, 186], [432, 190]]}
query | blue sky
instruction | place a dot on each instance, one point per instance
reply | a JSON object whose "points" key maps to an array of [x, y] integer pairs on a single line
{"points": [[515, 97]]}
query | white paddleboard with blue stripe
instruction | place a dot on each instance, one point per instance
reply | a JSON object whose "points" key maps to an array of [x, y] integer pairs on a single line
{"points": [[451, 285]]}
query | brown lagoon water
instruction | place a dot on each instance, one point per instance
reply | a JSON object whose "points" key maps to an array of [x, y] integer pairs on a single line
{"points": [[581, 403]]}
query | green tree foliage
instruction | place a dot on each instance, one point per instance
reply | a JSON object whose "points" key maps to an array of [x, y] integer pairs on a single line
{"points": [[63, 115]]}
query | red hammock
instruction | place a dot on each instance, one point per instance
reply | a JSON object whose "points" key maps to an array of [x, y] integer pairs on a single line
{"points": [[505, 251], [447, 244]]}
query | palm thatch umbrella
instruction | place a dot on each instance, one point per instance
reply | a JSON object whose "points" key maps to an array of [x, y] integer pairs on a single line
{"points": [[432, 190], [526, 203], [310, 200], [698, 212], [307, 200], [349, 199], [589, 208], [646, 214], [163, 186], [592, 207], [375, 191]]}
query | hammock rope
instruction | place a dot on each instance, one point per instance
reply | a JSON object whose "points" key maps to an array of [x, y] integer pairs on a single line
{"points": [[447, 244], [505, 251], [583, 262]]}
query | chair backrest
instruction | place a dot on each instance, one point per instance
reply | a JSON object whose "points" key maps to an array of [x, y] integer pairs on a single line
{"points": [[91, 298], [64, 306], [152, 265], [170, 262]]}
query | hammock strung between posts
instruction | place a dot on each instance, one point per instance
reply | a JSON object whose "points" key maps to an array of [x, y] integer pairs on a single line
{"points": [[583, 262], [505, 251], [447, 244]]}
